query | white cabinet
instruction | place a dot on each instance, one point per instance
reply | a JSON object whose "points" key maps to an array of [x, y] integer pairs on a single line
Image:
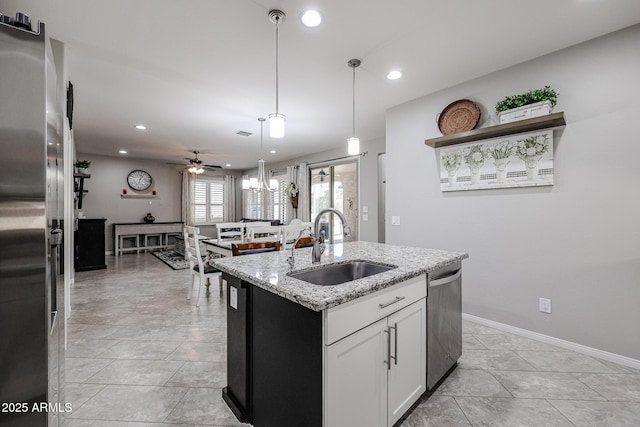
{"points": [[408, 371], [357, 380], [375, 374]]}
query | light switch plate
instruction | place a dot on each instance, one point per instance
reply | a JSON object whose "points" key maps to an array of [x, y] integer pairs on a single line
{"points": [[544, 305], [395, 220], [233, 297], [365, 209]]}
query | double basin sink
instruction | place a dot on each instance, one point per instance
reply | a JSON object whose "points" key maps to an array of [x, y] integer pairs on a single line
{"points": [[335, 274]]}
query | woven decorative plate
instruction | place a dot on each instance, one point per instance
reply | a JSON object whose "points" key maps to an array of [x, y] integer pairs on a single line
{"points": [[459, 116]]}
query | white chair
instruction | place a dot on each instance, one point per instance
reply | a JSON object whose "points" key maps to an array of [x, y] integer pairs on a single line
{"points": [[291, 232], [230, 231], [269, 233], [255, 224], [199, 268]]}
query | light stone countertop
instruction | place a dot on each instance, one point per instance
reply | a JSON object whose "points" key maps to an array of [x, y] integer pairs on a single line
{"points": [[269, 270]]}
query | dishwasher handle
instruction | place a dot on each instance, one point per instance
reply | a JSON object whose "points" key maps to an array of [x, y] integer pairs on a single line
{"points": [[447, 279]]}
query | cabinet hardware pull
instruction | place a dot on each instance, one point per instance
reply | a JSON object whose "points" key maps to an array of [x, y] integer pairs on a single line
{"points": [[388, 361], [387, 304], [395, 330]]}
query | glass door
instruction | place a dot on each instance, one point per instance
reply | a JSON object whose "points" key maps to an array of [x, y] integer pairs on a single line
{"points": [[336, 186]]}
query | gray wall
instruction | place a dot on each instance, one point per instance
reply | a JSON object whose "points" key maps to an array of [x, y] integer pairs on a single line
{"points": [[368, 179], [109, 177], [577, 242]]}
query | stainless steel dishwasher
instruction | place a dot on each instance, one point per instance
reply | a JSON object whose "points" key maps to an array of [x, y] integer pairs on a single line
{"points": [[444, 321]]}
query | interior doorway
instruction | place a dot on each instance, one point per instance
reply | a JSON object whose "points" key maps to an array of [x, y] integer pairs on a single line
{"points": [[336, 186]]}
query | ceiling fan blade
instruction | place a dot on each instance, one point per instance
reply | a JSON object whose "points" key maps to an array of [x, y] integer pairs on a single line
{"points": [[211, 166]]}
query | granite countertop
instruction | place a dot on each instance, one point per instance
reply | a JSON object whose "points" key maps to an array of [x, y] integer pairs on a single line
{"points": [[269, 270]]}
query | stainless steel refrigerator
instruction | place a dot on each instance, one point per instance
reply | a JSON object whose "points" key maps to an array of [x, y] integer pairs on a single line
{"points": [[31, 210]]}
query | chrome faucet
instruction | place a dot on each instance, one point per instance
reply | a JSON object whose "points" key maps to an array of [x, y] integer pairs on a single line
{"points": [[318, 244], [291, 260]]}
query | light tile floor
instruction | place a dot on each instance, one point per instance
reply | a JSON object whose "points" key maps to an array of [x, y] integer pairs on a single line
{"points": [[140, 355]]}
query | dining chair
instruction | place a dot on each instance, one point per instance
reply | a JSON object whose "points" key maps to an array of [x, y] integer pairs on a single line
{"points": [[254, 248], [304, 242], [291, 232], [264, 234], [230, 230], [200, 269]]}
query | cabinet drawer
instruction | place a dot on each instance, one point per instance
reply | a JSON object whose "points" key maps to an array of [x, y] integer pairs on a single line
{"points": [[349, 317]]}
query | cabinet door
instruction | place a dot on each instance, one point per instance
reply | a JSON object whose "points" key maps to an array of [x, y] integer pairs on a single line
{"points": [[356, 387], [407, 376]]}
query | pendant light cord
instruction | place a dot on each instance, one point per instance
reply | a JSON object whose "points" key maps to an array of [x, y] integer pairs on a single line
{"points": [[277, 57], [261, 123], [354, 101]]}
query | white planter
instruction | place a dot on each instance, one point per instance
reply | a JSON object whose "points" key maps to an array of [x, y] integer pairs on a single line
{"points": [[525, 112]]}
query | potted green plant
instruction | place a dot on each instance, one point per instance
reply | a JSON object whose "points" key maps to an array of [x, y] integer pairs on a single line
{"points": [[292, 192], [82, 165], [534, 103]]}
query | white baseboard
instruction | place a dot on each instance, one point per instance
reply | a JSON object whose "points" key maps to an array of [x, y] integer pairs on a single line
{"points": [[108, 253], [579, 348]]}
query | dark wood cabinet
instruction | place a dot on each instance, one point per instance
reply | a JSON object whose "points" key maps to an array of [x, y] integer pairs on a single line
{"points": [[90, 244]]}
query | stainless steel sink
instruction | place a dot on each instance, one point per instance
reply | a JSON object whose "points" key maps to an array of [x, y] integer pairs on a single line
{"points": [[335, 274]]}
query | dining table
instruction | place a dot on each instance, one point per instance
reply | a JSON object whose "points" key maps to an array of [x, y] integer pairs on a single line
{"points": [[222, 248]]}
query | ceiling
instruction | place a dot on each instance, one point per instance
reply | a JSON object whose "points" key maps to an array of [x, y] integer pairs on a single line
{"points": [[195, 72]]}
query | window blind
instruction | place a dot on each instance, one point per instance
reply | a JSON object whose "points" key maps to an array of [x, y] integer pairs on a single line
{"points": [[207, 195]]}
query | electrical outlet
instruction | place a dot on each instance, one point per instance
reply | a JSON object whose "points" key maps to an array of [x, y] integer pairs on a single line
{"points": [[395, 220], [545, 305]]}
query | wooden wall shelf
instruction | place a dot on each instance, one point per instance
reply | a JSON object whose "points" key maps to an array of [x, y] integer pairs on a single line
{"points": [[79, 187], [139, 196], [548, 121]]}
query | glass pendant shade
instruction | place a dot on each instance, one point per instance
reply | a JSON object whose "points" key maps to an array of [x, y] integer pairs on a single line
{"points": [[353, 146], [276, 125], [262, 178]]}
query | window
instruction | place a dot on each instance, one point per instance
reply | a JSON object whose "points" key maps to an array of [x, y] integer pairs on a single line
{"points": [[265, 205], [207, 195], [279, 182]]}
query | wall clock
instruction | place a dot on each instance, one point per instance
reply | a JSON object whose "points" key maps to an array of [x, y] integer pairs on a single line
{"points": [[139, 180]]}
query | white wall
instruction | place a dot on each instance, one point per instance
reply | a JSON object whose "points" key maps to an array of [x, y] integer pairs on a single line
{"points": [[578, 242]]}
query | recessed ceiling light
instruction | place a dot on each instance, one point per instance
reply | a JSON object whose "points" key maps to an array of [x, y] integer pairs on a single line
{"points": [[141, 127], [273, 151], [122, 151], [311, 18], [228, 165], [394, 75]]}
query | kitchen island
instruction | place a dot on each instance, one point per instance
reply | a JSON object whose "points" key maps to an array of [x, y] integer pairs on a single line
{"points": [[297, 352]]}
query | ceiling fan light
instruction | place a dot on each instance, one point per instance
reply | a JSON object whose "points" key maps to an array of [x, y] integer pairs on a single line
{"points": [[276, 125], [353, 146], [195, 169]]}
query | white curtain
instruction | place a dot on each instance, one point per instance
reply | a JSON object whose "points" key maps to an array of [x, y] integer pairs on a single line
{"points": [[229, 212], [186, 198], [304, 203], [291, 177]]}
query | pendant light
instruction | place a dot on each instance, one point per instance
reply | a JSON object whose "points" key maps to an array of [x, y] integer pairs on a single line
{"points": [[353, 143], [262, 179], [277, 119]]}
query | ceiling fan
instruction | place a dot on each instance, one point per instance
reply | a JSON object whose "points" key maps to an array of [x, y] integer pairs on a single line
{"points": [[196, 165]]}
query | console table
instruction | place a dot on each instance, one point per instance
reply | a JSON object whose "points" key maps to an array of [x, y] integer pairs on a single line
{"points": [[165, 229]]}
